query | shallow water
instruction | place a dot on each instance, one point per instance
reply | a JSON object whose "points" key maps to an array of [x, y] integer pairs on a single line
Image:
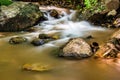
{"points": [[12, 57]]}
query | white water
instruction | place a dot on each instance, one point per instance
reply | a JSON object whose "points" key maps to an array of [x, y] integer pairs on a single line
{"points": [[64, 26]]}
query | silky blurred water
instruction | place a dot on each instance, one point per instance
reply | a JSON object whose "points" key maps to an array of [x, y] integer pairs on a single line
{"points": [[12, 57]]}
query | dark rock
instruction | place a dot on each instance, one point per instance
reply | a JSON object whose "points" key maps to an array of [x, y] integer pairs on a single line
{"points": [[76, 48], [44, 36], [17, 40], [54, 13], [38, 42], [89, 37], [94, 46], [19, 16]]}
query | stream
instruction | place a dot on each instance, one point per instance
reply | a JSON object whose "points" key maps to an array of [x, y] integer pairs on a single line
{"points": [[12, 57]]}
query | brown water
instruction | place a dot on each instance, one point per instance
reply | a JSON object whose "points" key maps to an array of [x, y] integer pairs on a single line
{"points": [[12, 57]]}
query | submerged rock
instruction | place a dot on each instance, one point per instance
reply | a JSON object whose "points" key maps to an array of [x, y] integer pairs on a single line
{"points": [[19, 16], [77, 48], [36, 67], [17, 40], [38, 42]]}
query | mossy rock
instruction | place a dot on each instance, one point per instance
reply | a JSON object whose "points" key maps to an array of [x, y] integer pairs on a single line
{"points": [[17, 40], [19, 16]]}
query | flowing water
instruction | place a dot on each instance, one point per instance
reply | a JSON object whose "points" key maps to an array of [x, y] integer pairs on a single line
{"points": [[12, 57]]}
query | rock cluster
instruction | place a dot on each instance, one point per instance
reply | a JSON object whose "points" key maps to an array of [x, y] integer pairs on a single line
{"points": [[107, 17], [111, 49], [42, 39]]}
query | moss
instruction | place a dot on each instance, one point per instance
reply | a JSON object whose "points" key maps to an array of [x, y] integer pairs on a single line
{"points": [[93, 6], [90, 3], [5, 2]]}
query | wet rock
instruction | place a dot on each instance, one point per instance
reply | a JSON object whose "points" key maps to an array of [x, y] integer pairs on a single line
{"points": [[19, 16], [17, 40], [54, 13], [55, 37], [77, 48], [111, 49], [116, 23], [89, 37], [38, 42], [36, 67], [43, 36], [49, 36], [94, 46]]}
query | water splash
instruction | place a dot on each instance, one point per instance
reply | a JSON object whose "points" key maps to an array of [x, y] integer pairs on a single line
{"points": [[65, 25]]}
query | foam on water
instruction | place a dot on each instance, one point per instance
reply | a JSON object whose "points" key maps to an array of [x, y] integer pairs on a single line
{"points": [[65, 25]]}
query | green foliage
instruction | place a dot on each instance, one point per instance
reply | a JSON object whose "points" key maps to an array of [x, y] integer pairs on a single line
{"points": [[5, 2], [69, 1], [93, 6], [90, 3]]}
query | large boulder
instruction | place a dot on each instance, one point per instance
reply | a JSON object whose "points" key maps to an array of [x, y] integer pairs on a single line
{"points": [[76, 48], [111, 49], [19, 16], [112, 4]]}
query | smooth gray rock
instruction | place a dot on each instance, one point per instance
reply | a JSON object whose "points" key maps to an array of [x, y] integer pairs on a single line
{"points": [[77, 48]]}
